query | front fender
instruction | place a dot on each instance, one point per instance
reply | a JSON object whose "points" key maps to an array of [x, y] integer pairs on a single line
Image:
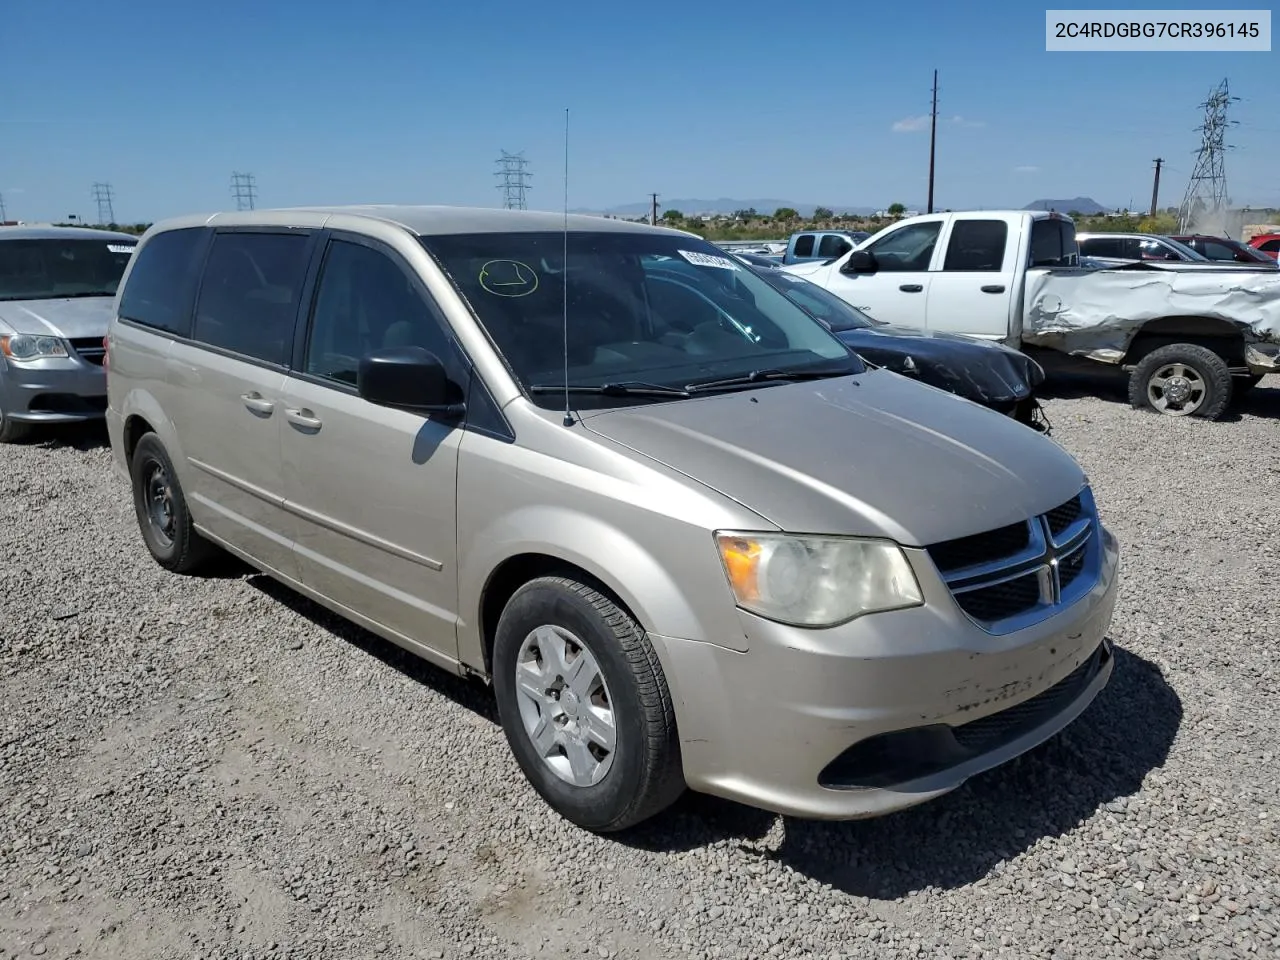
{"points": [[693, 602]]}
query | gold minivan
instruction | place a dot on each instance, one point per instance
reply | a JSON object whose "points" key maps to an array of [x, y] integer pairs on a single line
{"points": [[688, 535]]}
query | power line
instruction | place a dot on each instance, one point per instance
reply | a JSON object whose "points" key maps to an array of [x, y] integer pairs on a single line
{"points": [[244, 189], [102, 197], [1207, 187], [515, 180]]}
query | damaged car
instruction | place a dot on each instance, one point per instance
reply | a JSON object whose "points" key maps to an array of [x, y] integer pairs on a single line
{"points": [[984, 371]]}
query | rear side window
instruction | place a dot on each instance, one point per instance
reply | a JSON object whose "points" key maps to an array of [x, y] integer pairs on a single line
{"points": [[249, 295], [163, 280], [1104, 247], [1053, 243], [804, 245], [976, 245], [1271, 246]]}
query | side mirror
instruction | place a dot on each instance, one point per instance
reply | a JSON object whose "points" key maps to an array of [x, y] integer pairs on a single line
{"points": [[409, 378], [860, 261]]}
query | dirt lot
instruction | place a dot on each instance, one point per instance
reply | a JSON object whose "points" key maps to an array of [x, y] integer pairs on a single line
{"points": [[215, 768]]}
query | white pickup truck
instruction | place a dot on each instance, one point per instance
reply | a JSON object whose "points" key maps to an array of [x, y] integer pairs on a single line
{"points": [[1190, 335]]}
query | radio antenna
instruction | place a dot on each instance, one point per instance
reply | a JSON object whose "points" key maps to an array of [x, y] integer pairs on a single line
{"points": [[568, 417]]}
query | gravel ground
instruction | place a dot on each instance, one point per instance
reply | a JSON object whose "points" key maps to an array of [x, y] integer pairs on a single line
{"points": [[216, 768]]}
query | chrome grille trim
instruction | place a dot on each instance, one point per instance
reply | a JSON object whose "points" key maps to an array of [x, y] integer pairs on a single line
{"points": [[993, 594]]}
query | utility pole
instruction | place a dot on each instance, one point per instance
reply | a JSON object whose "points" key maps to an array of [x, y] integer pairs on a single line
{"points": [[653, 209], [102, 197], [515, 180], [245, 190], [933, 137], [4, 214], [1155, 187]]}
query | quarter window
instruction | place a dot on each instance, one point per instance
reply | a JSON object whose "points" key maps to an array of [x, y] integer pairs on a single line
{"points": [[161, 284], [366, 302], [249, 295], [976, 245]]}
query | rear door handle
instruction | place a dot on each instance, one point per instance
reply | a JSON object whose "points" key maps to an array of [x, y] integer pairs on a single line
{"points": [[302, 418], [257, 403], [911, 287], [993, 288]]}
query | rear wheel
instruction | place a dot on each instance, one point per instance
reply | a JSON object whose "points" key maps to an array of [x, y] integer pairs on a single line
{"points": [[162, 510], [584, 705], [1182, 379]]}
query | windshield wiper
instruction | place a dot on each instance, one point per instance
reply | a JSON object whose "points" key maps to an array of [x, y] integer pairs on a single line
{"points": [[626, 388], [762, 376]]}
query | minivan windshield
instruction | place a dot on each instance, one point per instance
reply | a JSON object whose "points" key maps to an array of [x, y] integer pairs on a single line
{"points": [[47, 269], [651, 316]]}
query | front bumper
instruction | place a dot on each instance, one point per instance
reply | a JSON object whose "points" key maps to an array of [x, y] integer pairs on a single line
{"points": [[886, 712], [55, 390]]}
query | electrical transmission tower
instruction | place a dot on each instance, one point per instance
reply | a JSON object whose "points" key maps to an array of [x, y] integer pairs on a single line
{"points": [[244, 189], [102, 197], [1207, 188], [515, 180]]}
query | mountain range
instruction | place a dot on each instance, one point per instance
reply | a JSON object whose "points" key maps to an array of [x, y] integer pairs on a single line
{"points": [[766, 205]]}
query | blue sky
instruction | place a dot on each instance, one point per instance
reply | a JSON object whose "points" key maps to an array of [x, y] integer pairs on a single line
{"points": [[412, 100]]}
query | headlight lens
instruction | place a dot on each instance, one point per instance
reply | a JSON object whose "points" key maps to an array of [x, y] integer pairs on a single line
{"points": [[816, 581], [23, 346]]}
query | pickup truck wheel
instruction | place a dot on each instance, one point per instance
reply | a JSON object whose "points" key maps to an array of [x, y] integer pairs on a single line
{"points": [[1182, 379], [584, 705]]}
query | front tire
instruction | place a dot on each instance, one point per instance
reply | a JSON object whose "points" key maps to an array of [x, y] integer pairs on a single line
{"points": [[162, 512], [1182, 379], [12, 430], [585, 706]]}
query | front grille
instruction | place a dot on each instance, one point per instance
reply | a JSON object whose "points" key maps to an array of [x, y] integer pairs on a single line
{"points": [[1016, 575], [89, 349]]}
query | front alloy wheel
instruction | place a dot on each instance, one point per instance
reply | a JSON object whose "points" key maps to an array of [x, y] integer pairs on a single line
{"points": [[584, 705]]}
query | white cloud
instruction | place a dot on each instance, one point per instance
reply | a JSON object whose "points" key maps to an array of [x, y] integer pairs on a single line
{"points": [[1026, 169], [911, 124], [916, 124]]}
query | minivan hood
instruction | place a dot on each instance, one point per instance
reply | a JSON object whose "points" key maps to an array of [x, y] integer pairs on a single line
{"points": [[869, 455], [68, 318]]}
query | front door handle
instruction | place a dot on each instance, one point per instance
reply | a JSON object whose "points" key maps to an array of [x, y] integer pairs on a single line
{"points": [[911, 287], [993, 288], [257, 403], [302, 418]]}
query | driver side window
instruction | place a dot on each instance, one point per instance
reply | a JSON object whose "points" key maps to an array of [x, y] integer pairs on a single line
{"points": [[908, 248], [366, 302]]}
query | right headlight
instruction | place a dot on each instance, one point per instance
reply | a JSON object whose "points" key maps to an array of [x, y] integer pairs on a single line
{"points": [[816, 581], [24, 346]]}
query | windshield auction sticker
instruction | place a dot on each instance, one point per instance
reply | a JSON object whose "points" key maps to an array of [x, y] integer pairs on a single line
{"points": [[707, 260], [121, 247]]}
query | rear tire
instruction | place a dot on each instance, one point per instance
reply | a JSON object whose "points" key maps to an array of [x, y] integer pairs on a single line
{"points": [[162, 512], [585, 706], [1182, 379]]}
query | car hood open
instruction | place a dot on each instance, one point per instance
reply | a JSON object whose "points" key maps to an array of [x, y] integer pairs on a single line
{"points": [[69, 318], [867, 455], [980, 370]]}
